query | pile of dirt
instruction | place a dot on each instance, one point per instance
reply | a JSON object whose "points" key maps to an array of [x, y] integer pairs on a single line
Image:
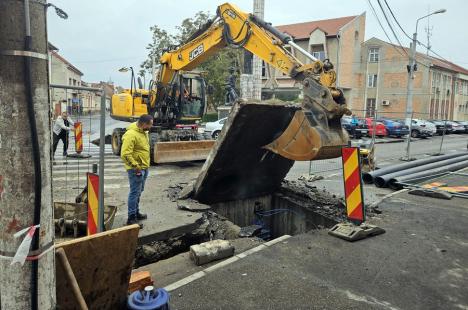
{"points": [[319, 200]]}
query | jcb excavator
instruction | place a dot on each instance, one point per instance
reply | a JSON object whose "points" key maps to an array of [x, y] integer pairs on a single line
{"points": [[177, 98]]}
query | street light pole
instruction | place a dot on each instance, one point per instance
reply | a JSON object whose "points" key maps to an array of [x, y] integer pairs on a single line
{"points": [[411, 68]]}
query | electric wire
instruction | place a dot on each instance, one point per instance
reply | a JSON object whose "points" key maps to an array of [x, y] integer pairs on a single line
{"points": [[391, 28], [408, 36], [382, 27]]}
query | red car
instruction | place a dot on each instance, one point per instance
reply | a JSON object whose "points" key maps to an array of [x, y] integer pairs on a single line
{"points": [[380, 130]]}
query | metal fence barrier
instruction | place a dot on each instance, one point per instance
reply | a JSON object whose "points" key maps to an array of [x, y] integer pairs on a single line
{"points": [[391, 127]]}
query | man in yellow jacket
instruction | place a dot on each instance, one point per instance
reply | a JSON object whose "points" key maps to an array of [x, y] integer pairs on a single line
{"points": [[135, 154]]}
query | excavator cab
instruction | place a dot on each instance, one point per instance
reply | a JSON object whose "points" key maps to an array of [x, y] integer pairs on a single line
{"points": [[191, 98]]}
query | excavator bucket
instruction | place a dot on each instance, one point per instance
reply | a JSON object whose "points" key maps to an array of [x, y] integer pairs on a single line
{"points": [[301, 141], [179, 151]]}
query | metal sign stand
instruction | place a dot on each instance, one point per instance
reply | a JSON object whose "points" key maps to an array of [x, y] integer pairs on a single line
{"points": [[357, 228]]}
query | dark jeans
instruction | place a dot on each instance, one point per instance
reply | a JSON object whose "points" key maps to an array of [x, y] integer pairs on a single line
{"points": [[137, 186], [62, 136]]}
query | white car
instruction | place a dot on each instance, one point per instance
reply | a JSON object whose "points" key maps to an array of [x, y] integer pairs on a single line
{"points": [[422, 129], [431, 126], [214, 128]]}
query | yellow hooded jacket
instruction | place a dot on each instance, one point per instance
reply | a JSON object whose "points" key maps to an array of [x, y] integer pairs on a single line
{"points": [[135, 151]]}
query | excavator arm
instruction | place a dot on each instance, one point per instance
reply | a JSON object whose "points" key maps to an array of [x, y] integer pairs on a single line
{"points": [[315, 131]]}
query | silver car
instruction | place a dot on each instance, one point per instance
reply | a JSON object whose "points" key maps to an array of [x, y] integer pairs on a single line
{"points": [[422, 129]]}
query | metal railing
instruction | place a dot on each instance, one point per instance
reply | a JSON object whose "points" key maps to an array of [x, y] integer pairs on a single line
{"points": [[101, 144]]}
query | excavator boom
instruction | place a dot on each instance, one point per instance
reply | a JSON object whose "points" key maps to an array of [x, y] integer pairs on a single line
{"points": [[315, 132]]}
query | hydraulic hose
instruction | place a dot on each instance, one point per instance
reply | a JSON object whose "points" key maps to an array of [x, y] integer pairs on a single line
{"points": [[35, 152]]}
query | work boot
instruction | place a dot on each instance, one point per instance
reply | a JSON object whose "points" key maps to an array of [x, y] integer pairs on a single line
{"points": [[141, 216], [133, 220]]}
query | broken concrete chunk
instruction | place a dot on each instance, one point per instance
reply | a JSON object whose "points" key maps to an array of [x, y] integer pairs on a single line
{"points": [[192, 205], [239, 166], [250, 231], [186, 191], [209, 251]]}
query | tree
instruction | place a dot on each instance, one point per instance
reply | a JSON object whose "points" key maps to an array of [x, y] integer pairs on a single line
{"points": [[215, 67]]}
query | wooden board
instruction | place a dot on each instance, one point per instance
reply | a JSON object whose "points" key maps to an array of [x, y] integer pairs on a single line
{"points": [[139, 280], [102, 265]]}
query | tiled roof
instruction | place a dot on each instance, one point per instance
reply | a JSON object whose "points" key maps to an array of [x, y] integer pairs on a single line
{"points": [[70, 66], [303, 30], [445, 64], [441, 63]]}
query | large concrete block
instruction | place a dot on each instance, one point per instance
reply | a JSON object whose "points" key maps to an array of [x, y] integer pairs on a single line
{"points": [[239, 166], [206, 252]]}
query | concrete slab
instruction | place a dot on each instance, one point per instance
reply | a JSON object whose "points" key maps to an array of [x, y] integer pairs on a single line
{"points": [[238, 167], [421, 262]]}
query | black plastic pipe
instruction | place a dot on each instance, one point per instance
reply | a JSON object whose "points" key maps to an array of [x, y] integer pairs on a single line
{"points": [[424, 175], [28, 81], [382, 180], [368, 177]]}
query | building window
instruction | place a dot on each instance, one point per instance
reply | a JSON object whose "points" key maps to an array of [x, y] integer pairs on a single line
{"points": [[318, 51], [69, 81], [372, 80], [320, 55], [374, 54], [370, 107]]}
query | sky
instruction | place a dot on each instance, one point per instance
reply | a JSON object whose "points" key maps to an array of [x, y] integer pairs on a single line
{"points": [[101, 36]]}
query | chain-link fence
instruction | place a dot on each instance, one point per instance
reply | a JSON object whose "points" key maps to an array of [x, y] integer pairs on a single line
{"points": [[386, 136]]}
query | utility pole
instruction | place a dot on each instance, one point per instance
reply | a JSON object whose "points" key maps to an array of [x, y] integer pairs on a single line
{"points": [[25, 171], [251, 79], [259, 11], [411, 69]]}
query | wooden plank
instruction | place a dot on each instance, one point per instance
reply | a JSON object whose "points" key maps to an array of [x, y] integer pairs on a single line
{"points": [[102, 264], [139, 280]]}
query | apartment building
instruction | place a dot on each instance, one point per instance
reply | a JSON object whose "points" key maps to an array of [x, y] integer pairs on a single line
{"points": [[440, 88], [337, 39]]}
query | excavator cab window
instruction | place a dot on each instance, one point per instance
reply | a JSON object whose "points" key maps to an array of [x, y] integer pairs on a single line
{"points": [[192, 96]]}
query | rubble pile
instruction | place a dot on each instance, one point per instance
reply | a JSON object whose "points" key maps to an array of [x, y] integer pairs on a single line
{"points": [[210, 227], [319, 200]]}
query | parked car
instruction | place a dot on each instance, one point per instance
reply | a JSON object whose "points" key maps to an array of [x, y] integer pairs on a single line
{"points": [[442, 126], [380, 130], [464, 124], [214, 128], [431, 126], [456, 127], [421, 129], [394, 128], [355, 130]]}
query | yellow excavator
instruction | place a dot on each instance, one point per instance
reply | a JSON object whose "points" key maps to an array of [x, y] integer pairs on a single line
{"points": [[177, 98]]}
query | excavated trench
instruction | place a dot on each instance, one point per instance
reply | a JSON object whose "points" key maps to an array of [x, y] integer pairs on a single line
{"points": [[244, 185], [296, 207]]}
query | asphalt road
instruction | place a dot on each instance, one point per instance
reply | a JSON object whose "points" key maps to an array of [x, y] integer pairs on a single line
{"points": [[419, 263]]}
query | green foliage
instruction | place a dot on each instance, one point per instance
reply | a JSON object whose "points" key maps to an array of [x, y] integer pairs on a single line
{"points": [[210, 117], [287, 96], [216, 66]]}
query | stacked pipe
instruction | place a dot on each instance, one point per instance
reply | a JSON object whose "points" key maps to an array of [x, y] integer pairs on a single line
{"points": [[416, 171]]}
